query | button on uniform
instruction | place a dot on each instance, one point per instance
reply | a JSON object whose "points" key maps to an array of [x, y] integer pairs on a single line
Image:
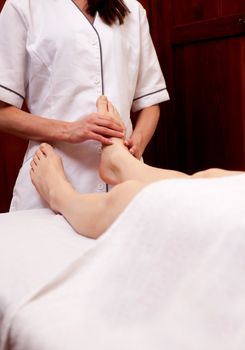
{"points": [[99, 149], [97, 81], [100, 187]]}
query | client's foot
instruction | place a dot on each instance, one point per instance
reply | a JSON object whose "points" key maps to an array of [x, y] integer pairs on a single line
{"points": [[104, 106], [110, 157], [47, 175], [111, 154]]}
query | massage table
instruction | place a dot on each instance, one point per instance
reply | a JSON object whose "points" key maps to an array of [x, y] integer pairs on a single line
{"points": [[168, 274]]}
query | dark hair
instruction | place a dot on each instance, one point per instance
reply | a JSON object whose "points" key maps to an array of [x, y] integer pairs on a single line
{"points": [[109, 10]]}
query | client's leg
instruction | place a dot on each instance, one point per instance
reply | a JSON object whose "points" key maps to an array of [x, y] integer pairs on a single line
{"points": [[118, 165], [215, 172], [89, 214]]}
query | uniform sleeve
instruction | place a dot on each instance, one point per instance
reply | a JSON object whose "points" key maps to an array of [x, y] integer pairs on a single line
{"points": [[151, 86], [13, 58]]}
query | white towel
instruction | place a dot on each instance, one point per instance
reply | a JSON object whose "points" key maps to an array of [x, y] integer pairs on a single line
{"points": [[168, 274]]}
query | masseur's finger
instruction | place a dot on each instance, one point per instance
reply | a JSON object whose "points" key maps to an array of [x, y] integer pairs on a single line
{"points": [[102, 106]]}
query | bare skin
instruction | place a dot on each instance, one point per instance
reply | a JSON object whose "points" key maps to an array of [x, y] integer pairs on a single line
{"points": [[48, 176], [118, 167], [146, 122], [95, 126]]}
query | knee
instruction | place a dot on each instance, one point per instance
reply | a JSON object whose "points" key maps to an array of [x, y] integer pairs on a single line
{"points": [[211, 172]]}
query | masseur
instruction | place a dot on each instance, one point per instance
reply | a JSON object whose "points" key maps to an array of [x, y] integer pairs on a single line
{"points": [[60, 56]]}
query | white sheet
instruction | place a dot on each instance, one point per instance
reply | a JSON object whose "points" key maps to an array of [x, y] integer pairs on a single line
{"points": [[35, 246], [168, 274]]}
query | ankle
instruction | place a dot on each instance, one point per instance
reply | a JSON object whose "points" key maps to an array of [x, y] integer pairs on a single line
{"points": [[60, 196], [54, 201], [109, 163]]}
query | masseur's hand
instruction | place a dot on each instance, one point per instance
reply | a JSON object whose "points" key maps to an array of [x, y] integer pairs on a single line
{"points": [[99, 127], [134, 146]]}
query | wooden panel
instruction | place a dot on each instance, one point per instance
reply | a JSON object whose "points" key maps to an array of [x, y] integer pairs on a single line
{"points": [[162, 149], [242, 81], [11, 155], [187, 11], [211, 29], [206, 44], [209, 95], [233, 7]]}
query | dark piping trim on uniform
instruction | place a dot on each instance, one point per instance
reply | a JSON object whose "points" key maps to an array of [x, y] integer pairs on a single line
{"points": [[101, 56], [151, 93], [16, 93]]}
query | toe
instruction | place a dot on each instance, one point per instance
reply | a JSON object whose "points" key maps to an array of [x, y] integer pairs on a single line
{"points": [[111, 108], [39, 154], [46, 149], [33, 165], [35, 159], [102, 105]]}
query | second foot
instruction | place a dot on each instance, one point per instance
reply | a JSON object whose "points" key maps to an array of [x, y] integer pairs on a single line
{"points": [[47, 174]]}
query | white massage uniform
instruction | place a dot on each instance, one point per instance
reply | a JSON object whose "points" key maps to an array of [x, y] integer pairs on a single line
{"points": [[60, 63]]}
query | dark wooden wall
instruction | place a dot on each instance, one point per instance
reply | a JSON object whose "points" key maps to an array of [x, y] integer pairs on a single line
{"points": [[201, 48], [11, 156], [162, 150], [208, 46]]}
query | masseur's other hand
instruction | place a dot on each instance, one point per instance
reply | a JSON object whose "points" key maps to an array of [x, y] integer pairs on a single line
{"points": [[97, 127], [134, 146]]}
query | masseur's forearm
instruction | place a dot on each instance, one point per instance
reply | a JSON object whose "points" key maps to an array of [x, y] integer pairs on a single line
{"points": [[99, 127], [145, 127], [29, 126]]}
